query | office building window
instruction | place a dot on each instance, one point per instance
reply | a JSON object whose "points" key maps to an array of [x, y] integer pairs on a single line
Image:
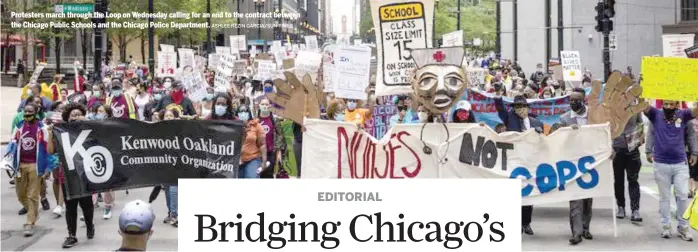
{"points": [[689, 10]]}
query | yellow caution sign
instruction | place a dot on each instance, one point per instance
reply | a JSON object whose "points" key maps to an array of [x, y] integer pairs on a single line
{"points": [[399, 12]]}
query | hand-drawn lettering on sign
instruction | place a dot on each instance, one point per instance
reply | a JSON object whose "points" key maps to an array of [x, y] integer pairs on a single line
{"points": [[358, 147]]}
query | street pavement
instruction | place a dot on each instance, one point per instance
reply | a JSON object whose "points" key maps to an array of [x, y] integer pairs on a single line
{"points": [[550, 222]]}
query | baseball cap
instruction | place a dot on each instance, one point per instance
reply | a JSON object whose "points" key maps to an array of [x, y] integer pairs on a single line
{"points": [[137, 217], [465, 105], [116, 83]]}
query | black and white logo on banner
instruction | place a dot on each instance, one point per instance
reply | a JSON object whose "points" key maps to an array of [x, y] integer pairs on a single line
{"points": [[97, 161]]}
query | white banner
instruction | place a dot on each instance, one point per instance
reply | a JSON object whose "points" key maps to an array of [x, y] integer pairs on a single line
{"points": [[357, 42], [674, 45], [328, 67], [311, 43], [401, 25], [453, 39], [352, 70], [571, 66], [167, 48], [308, 62], [186, 58], [167, 63], [551, 169], [238, 42]]}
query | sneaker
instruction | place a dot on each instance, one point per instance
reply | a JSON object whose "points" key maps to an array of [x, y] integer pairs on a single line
{"points": [[28, 230], [107, 214], [621, 213], [58, 212], [90, 231], [22, 211], [666, 232], [684, 233], [99, 198], [174, 222], [12, 182], [70, 242], [82, 218], [635, 217], [167, 219], [45, 205]]}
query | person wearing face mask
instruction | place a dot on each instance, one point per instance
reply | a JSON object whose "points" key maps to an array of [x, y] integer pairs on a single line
{"points": [[142, 99], [98, 95], [422, 114], [34, 90], [580, 210], [547, 93], [273, 135], [222, 108], [205, 107], [356, 115], [671, 166], [121, 104], [519, 120], [40, 113], [177, 99], [335, 110], [463, 113], [171, 191], [537, 77], [30, 146], [268, 86], [254, 147]]}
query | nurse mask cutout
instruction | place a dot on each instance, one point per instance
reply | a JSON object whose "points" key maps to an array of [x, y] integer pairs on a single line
{"points": [[439, 80]]}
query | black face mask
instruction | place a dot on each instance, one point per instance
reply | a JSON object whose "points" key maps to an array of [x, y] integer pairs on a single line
{"points": [[576, 106], [669, 113]]}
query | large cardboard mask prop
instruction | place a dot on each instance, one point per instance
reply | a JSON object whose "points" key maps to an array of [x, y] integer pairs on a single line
{"points": [[439, 80]]}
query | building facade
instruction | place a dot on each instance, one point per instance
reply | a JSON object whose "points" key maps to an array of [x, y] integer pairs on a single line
{"points": [[527, 35]]}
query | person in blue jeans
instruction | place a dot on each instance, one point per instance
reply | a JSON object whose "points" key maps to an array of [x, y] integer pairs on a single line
{"points": [[171, 194], [254, 146]]}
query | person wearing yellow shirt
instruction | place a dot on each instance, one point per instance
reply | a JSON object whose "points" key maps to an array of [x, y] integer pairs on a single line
{"points": [[356, 115]]}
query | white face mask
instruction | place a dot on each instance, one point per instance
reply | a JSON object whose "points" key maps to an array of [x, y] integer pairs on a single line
{"points": [[423, 116], [168, 85]]}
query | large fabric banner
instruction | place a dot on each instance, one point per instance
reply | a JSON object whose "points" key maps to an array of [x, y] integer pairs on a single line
{"points": [[119, 154], [550, 170]]}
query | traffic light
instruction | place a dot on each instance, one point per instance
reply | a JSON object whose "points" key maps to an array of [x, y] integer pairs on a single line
{"points": [[599, 17], [610, 8], [604, 12]]}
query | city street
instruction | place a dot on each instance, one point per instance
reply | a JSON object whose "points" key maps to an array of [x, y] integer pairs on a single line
{"points": [[550, 222]]}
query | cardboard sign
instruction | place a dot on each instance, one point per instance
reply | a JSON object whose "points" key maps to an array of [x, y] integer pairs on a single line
{"points": [[40, 68], [670, 78], [453, 39], [222, 50], [167, 63], [167, 48], [476, 76], [674, 45], [571, 66], [351, 72], [288, 64], [186, 57], [238, 42], [213, 61], [308, 62], [311, 43], [401, 25]]}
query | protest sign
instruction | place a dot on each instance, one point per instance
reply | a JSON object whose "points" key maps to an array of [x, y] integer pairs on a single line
{"points": [[195, 85], [288, 64], [311, 43], [265, 69], [379, 123], [328, 67], [186, 58], [238, 42], [476, 77], [223, 50], [670, 78], [692, 52], [213, 61], [167, 48], [200, 63], [239, 67], [674, 45], [99, 156], [571, 66], [221, 80], [550, 172], [308, 63], [357, 42], [401, 25], [351, 71], [40, 68], [453, 39], [167, 63], [226, 64]]}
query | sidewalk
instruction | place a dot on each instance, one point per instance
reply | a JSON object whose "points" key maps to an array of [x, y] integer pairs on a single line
{"points": [[10, 97]]}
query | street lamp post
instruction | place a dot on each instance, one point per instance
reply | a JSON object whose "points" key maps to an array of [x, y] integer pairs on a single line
{"points": [[433, 25], [151, 43], [208, 30], [259, 6]]}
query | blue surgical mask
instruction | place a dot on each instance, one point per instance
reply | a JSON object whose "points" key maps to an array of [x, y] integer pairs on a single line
{"points": [[351, 105], [268, 89], [96, 93], [339, 117], [29, 92], [116, 93], [91, 116], [220, 110], [99, 117], [158, 97], [244, 116], [209, 97]]}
